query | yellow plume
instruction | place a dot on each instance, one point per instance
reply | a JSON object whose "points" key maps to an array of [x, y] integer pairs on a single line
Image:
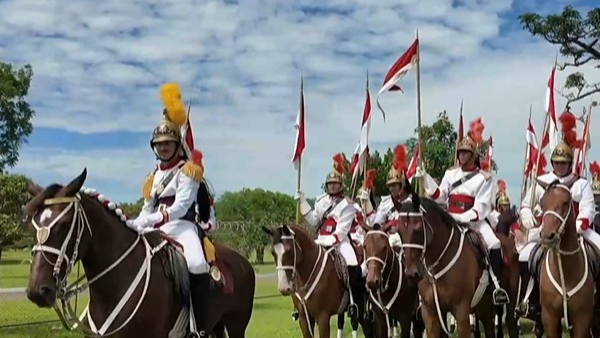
{"points": [[170, 94]]}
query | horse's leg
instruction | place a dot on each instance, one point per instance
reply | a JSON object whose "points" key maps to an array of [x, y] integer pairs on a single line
{"points": [[405, 321], [433, 326], [418, 327], [341, 318], [463, 325], [551, 322], [354, 324], [499, 321], [323, 324], [307, 325]]}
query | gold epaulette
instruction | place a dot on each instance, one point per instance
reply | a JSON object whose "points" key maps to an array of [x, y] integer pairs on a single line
{"points": [[147, 186], [193, 171], [486, 175]]}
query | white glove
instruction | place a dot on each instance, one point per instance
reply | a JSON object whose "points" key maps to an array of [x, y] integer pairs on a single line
{"points": [[419, 172], [465, 217], [138, 224], [363, 194], [527, 219], [328, 241], [154, 218], [460, 218], [299, 195], [304, 206]]}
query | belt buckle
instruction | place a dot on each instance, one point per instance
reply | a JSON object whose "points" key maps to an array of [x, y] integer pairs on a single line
{"points": [[329, 228], [162, 207]]}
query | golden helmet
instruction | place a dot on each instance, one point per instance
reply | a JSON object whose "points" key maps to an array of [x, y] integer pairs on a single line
{"points": [[501, 195], [174, 115], [562, 153], [398, 169], [467, 144], [473, 140], [337, 173]]}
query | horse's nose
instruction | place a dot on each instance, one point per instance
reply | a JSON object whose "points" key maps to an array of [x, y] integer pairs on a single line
{"points": [[413, 276], [42, 296], [553, 235], [285, 291], [373, 283]]}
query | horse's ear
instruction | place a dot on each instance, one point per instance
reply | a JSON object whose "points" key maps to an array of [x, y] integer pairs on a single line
{"points": [[542, 184], [267, 231], [364, 226], [75, 185], [33, 188]]}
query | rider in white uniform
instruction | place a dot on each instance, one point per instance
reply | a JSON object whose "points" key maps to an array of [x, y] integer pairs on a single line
{"points": [[333, 215], [581, 192], [170, 193], [468, 192], [595, 171], [501, 204]]}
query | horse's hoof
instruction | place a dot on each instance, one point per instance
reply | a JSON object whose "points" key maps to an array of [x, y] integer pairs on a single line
{"points": [[353, 311], [295, 316]]}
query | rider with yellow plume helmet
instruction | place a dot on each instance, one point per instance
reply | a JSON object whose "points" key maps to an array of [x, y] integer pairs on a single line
{"points": [[502, 203], [333, 215], [562, 171], [595, 171], [170, 193], [467, 190]]}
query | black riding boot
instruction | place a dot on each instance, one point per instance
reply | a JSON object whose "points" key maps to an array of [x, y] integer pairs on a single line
{"points": [[522, 308], [355, 276], [500, 296], [200, 286]]}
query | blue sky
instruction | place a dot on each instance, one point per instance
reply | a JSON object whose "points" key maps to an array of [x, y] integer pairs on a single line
{"points": [[98, 66]]}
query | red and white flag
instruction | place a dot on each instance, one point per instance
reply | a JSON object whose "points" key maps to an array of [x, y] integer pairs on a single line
{"points": [[361, 153], [414, 162], [532, 148], [461, 131], [300, 140], [551, 134], [580, 164], [187, 134], [398, 70]]}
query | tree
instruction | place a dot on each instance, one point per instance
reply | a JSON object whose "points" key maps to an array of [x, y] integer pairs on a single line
{"points": [[132, 209], [13, 197], [439, 146], [15, 112], [577, 38], [253, 208]]}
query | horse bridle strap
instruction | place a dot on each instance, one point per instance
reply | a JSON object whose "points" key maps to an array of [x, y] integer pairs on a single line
{"points": [[560, 217]]}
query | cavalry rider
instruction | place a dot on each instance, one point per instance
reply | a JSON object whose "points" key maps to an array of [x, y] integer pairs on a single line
{"points": [[581, 192], [386, 213], [333, 215], [468, 192], [595, 171], [170, 198], [501, 204], [367, 200]]}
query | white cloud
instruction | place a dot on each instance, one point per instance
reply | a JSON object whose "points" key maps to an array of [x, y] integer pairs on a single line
{"points": [[240, 63]]}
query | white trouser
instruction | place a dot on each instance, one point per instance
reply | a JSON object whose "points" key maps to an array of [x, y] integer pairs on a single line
{"points": [[487, 233], [592, 236], [345, 248], [533, 236], [358, 237], [186, 234], [395, 240]]}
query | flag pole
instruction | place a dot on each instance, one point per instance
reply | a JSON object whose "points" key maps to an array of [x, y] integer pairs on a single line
{"points": [[420, 133], [299, 172], [457, 139], [366, 162], [527, 155]]}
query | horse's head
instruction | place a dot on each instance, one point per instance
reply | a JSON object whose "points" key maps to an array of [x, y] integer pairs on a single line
{"points": [[507, 218], [377, 249], [558, 203], [61, 237], [287, 254]]}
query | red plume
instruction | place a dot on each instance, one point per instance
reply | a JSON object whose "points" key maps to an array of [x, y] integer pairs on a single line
{"points": [[197, 157], [370, 179], [338, 163], [400, 158], [476, 129], [501, 186], [485, 165], [568, 123], [595, 169]]}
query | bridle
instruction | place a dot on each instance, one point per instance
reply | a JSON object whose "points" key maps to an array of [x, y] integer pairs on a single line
{"points": [[563, 219], [66, 313]]}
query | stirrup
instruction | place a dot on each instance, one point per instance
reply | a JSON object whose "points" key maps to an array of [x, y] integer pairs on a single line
{"points": [[295, 316], [200, 334], [353, 311], [522, 310], [500, 297]]}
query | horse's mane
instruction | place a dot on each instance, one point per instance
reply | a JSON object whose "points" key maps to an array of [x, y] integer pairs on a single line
{"points": [[506, 220]]}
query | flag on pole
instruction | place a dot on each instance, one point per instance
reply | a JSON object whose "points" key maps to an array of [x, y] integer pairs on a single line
{"points": [[361, 153], [407, 61], [532, 150], [188, 134], [300, 140], [551, 134], [414, 162]]}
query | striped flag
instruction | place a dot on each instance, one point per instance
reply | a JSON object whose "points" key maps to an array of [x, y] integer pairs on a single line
{"points": [[300, 131], [361, 153]]}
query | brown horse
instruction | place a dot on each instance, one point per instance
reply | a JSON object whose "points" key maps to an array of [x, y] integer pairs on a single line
{"points": [[308, 272], [138, 284], [565, 266], [451, 274], [393, 297]]}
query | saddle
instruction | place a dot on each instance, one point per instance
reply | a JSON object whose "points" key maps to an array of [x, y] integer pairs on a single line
{"points": [[538, 251], [476, 240]]}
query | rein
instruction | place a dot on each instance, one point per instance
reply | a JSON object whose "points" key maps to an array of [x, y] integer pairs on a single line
{"points": [[562, 289], [65, 312], [309, 287], [433, 276]]}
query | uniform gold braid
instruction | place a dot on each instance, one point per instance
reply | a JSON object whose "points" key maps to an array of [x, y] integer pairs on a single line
{"points": [[147, 186], [193, 171]]}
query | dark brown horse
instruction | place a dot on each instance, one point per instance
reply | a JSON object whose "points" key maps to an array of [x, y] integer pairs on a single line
{"points": [[564, 268], [447, 261], [308, 272], [75, 224], [393, 297]]}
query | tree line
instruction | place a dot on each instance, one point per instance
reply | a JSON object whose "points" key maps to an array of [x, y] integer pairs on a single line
{"points": [[242, 213]]}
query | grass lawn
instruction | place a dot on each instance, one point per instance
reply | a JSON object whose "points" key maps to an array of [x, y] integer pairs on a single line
{"points": [[14, 268]]}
